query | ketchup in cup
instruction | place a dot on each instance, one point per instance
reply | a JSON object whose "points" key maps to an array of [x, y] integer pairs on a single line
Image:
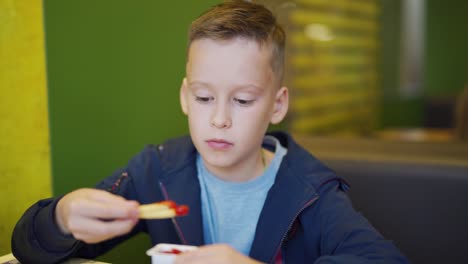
{"points": [[166, 253]]}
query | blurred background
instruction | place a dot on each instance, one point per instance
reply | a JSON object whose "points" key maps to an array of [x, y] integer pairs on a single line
{"points": [[84, 85]]}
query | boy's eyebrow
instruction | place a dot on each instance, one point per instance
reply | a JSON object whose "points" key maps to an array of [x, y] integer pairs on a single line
{"points": [[199, 83], [205, 84]]}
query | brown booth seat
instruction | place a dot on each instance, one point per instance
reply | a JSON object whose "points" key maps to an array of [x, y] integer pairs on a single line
{"points": [[415, 194]]}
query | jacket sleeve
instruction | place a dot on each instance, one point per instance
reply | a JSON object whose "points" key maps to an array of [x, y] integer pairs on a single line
{"points": [[347, 236], [37, 239]]}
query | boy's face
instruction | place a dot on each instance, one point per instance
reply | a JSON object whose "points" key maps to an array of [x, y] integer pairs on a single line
{"points": [[230, 97]]}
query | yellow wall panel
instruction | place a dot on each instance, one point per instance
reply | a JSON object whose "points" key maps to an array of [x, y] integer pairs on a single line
{"points": [[333, 48], [25, 174]]}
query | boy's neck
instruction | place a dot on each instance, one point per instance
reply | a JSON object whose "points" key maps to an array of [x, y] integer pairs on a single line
{"points": [[249, 170]]}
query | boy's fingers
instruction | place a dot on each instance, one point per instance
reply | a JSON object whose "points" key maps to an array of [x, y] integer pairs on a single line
{"points": [[113, 228], [199, 255], [112, 199], [93, 231], [104, 196], [108, 210]]}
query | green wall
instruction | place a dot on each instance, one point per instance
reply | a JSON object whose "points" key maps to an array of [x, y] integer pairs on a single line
{"points": [[395, 110], [446, 52], [114, 70], [445, 59]]}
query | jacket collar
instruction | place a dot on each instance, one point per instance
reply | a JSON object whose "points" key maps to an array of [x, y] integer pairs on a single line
{"points": [[297, 185], [283, 204]]}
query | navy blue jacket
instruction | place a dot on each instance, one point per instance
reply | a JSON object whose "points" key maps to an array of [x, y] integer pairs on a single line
{"points": [[306, 218]]}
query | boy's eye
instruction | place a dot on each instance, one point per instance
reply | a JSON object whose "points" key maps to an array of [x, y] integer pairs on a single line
{"points": [[203, 99], [243, 102]]}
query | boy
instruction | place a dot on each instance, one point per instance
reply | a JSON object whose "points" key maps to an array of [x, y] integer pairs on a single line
{"points": [[253, 198]]}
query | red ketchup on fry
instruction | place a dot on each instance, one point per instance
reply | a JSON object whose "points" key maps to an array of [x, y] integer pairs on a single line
{"points": [[168, 203], [181, 210]]}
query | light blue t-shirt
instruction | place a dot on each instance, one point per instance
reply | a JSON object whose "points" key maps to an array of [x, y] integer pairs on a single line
{"points": [[230, 210]]}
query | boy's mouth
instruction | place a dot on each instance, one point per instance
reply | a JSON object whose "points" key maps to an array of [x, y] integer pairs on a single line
{"points": [[219, 144]]}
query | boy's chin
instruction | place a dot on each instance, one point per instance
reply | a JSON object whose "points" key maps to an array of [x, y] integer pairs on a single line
{"points": [[217, 162]]}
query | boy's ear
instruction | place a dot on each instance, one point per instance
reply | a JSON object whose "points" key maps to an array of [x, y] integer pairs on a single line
{"points": [[182, 96], [281, 105]]}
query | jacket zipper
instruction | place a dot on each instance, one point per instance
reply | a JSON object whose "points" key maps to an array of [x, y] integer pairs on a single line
{"points": [[309, 203], [180, 235]]}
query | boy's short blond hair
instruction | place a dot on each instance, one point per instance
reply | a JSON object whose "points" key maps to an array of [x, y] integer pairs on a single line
{"points": [[233, 19]]}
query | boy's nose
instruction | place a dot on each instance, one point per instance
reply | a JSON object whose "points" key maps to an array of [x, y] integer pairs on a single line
{"points": [[221, 118]]}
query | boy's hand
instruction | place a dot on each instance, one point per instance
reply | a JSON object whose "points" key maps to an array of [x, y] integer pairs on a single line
{"points": [[219, 254], [93, 216]]}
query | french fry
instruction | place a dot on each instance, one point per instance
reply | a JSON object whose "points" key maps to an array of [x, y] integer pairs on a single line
{"points": [[164, 205], [162, 210]]}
